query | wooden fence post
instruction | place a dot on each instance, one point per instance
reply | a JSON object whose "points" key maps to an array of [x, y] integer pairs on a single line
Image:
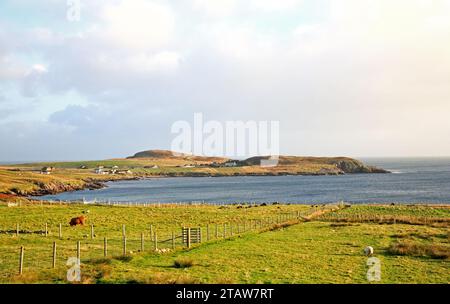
{"points": [[142, 241], [231, 229], [224, 230], [21, 255], [92, 231], [188, 237], [124, 245], [151, 232], [46, 229], [207, 232], [60, 231], [155, 239], [105, 247], [78, 250], [54, 255], [124, 232]]}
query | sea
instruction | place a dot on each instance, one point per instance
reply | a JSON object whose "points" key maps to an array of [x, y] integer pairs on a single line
{"points": [[413, 180]]}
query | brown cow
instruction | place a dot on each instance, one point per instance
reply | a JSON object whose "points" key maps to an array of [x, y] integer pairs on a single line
{"points": [[80, 220]]}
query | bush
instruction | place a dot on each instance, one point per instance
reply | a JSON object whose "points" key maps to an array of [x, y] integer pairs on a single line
{"points": [[124, 258], [414, 249], [183, 263]]}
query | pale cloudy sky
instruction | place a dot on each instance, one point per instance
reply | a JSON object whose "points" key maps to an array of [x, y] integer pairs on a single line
{"points": [[343, 77]]}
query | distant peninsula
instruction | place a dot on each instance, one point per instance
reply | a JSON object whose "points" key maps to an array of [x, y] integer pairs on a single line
{"points": [[21, 180]]}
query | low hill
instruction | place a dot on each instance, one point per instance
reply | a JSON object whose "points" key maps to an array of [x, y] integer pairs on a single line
{"points": [[344, 164], [167, 154]]}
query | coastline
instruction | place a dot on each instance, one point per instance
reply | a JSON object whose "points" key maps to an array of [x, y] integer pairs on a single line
{"points": [[95, 184]]}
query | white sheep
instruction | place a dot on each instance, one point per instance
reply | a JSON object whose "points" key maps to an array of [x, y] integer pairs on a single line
{"points": [[368, 250]]}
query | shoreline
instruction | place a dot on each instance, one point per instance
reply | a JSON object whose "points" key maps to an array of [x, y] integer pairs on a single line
{"points": [[96, 184]]}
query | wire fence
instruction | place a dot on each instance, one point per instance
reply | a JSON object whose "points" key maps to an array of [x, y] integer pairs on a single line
{"points": [[29, 248]]}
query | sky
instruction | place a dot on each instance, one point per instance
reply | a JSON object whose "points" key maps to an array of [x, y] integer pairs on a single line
{"points": [[343, 77]]}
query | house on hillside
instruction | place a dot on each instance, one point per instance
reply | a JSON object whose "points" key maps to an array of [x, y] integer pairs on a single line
{"points": [[100, 170], [47, 170], [231, 163]]}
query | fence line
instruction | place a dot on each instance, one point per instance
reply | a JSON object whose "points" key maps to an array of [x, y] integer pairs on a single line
{"points": [[158, 245], [188, 237]]}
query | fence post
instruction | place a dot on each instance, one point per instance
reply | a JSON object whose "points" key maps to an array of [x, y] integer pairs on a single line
{"points": [[105, 247], [54, 255], [21, 259], [217, 231], [173, 240], [124, 249], [189, 237], [207, 232], [92, 231], [78, 250], [231, 229], [124, 230], [142, 241], [60, 231], [156, 241], [17, 230], [151, 232], [46, 229], [224, 230]]}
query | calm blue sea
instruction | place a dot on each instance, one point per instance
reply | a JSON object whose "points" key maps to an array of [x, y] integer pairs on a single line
{"points": [[415, 180]]}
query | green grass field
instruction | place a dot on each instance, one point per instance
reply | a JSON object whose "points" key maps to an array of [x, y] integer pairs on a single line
{"points": [[321, 250]]}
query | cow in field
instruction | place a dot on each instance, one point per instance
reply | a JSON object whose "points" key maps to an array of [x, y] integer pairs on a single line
{"points": [[80, 220]]}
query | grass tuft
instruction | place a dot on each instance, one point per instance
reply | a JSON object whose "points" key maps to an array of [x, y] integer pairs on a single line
{"points": [[415, 249], [183, 263], [123, 258]]}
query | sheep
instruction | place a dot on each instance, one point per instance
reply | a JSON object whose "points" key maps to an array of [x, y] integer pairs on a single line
{"points": [[368, 251]]}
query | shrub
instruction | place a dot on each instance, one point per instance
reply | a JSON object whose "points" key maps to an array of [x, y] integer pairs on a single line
{"points": [[124, 258], [183, 263], [415, 249]]}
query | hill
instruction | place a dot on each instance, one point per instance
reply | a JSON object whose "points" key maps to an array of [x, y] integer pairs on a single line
{"points": [[343, 164], [167, 154]]}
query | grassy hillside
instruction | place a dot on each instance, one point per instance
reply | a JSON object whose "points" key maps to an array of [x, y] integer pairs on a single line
{"points": [[317, 251]]}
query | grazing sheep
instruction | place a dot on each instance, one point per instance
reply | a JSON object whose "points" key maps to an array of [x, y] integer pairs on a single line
{"points": [[80, 220], [368, 250]]}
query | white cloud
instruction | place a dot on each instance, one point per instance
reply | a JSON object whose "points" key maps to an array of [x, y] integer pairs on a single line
{"points": [[216, 8], [275, 5], [163, 61], [138, 24], [356, 76]]}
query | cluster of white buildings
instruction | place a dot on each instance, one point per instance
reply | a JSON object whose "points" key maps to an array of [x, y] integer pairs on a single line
{"points": [[114, 170]]}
